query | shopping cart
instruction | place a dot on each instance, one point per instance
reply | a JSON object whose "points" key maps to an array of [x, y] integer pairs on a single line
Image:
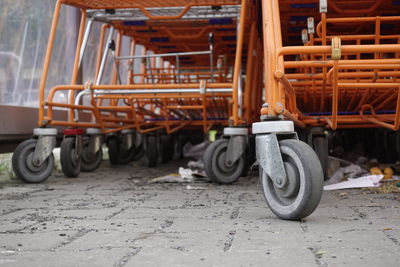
{"points": [[345, 75], [189, 75]]}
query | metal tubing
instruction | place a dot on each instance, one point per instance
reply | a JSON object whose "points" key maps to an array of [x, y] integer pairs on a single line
{"points": [[250, 72], [157, 91], [75, 71], [85, 40], [238, 61], [165, 55], [46, 63], [105, 54]]}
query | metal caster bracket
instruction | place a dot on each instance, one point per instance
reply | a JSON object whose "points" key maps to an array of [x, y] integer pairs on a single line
{"points": [[128, 139], [78, 134], [96, 140], [267, 148], [237, 144], [45, 144]]}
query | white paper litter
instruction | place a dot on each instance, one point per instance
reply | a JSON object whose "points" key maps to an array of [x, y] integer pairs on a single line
{"points": [[186, 173], [349, 172], [183, 176], [189, 187], [171, 178], [365, 181]]}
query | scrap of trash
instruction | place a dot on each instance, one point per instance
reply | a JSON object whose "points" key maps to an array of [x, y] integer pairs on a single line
{"points": [[194, 173], [361, 174]]}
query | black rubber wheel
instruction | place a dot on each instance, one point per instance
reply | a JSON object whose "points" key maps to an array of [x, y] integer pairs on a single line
{"points": [[113, 150], [152, 151], [167, 147], [90, 162], [181, 140], [70, 163], [127, 156], [320, 145], [302, 194], [215, 167], [139, 153], [23, 166], [250, 155]]}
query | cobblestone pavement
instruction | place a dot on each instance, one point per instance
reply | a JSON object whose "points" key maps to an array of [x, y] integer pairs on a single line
{"points": [[113, 217]]}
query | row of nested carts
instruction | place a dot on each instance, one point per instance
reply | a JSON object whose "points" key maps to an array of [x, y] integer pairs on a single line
{"points": [[251, 70]]}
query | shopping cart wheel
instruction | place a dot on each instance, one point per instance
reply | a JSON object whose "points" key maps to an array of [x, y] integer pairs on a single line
{"points": [[300, 197], [320, 145], [113, 150], [90, 161], [167, 147], [69, 158], [127, 156], [152, 151], [24, 167], [215, 166], [139, 153]]}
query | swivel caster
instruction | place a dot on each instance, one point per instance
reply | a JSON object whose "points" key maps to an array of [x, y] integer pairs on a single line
{"points": [[70, 152], [127, 149], [127, 156], [113, 149], [92, 154], [225, 159], [121, 149], [33, 160], [291, 175]]}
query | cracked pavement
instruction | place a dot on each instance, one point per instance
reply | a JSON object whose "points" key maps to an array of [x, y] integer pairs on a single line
{"points": [[112, 217]]}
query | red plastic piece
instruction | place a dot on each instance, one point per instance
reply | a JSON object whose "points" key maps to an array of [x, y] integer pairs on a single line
{"points": [[74, 132]]}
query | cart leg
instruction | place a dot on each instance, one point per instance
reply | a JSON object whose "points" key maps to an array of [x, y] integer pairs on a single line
{"points": [[225, 159], [92, 154], [33, 159], [290, 172]]}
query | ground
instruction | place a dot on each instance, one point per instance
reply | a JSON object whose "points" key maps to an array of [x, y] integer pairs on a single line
{"points": [[113, 217]]}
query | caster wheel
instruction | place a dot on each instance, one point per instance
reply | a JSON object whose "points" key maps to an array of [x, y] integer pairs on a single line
{"points": [[70, 163], [90, 162], [127, 156], [116, 156], [152, 151], [250, 156], [180, 143], [113, 150], [302, 194], [320, 145], [139, 153], [166, 148], [215, 167], [23, 166]]}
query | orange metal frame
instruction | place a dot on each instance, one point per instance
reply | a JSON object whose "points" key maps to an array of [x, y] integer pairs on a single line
{"points": [[167, 110], [346, 76]]}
